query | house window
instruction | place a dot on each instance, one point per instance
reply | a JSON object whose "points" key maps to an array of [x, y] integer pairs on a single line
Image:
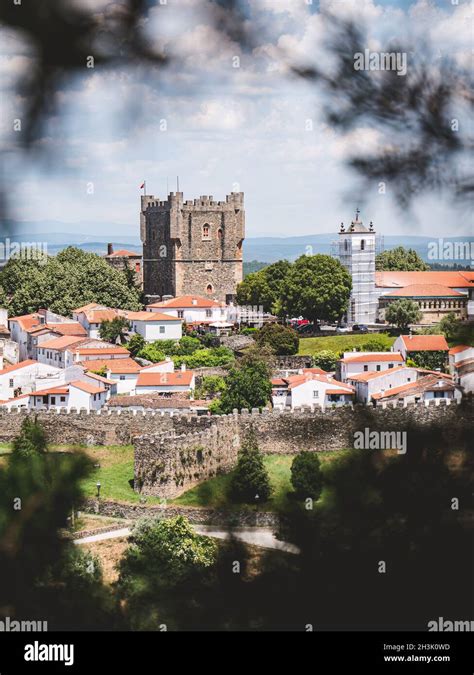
{"points": [[315, 394], [122, 377], [63, 399], [366, 368], [53, 400], [162, 330], [11, 384], [362, 245], [205, 231], [208, 313], [378, 367], [390, 365]]}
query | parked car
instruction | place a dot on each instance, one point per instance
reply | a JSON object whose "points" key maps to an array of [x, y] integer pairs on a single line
{"points": [[360, 328], [342, 329], [308, 329]]}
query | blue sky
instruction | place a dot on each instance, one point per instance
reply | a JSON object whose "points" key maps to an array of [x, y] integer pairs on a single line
{"points": [[220, 127]]}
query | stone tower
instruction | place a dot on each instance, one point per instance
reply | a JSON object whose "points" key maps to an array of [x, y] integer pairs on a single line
{"points": [[192, 247], [357, 255]]}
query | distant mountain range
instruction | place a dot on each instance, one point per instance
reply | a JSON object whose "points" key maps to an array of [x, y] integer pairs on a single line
{"points": [[264, 249]]}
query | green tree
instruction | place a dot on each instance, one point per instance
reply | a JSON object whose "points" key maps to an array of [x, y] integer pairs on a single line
{"points": [[37, 490], [282, 339], [306, 476], [316, 287], [114, 330], [400, 259], [429, 360], [325, 359], [402, 313], [376, 343], [250, 477], [211, 386], [136, 344], [162, 566], [264, 288], [71, 279], [248, 386], [152, 352]]}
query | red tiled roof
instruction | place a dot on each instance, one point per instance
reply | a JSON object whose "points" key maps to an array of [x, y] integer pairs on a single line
{"points": [[464, 362], [340, 391], [60, 343], [373, 358], [98, 351], [278, 381], [179, 378], [392, 279], [363, 377], [99, 378], [187, 302], [425, 291], [53, 391], [17, 366], [87, 387], [116, 366], [72, 328], [123, 253], [426, 343], [86, 308], [100, 315], [318, 371], [150, 316], [27, 321], [459, 348], [298, 380]]}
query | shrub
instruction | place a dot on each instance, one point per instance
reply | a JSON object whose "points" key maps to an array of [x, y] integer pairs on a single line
{"points": [[250, 477], [325, 359], [306, 476], [282, 339]]}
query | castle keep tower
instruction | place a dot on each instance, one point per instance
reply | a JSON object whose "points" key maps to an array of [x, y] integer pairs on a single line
{"points": [[357, 255], [192, 247]]}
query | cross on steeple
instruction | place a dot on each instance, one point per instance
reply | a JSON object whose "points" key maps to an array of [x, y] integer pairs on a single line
{"points": [[357, 213]]}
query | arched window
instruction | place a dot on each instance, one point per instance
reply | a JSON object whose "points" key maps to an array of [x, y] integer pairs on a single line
{"points": [[205, 231], [209, 289], [346, 245], [362, 244], [219, 233]]}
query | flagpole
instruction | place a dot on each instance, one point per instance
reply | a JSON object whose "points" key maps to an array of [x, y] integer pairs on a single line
{"points": [[144, 187]]}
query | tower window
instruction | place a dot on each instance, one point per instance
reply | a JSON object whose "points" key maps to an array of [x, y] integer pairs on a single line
{"points": [[219, 233], [205, 231], [209, 289], [362, 245], [346, 245]]}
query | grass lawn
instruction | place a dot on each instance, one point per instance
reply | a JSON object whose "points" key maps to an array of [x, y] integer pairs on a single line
{"points": [[213, 492], [337, 343]]}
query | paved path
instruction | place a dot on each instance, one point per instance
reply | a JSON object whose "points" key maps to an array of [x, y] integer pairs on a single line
{"points": [[258, 536]]}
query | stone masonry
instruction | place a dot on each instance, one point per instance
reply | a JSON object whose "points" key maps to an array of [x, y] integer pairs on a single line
{"points": [[192, 247]]}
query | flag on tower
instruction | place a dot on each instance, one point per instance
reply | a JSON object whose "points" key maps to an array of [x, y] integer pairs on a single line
{"points": [[142, 185]]}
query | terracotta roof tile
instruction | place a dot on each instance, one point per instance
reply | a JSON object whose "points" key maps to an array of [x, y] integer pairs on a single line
{"points": [[179, 378], [389, 279], [425, 291], [187, 302], [427, 343]]}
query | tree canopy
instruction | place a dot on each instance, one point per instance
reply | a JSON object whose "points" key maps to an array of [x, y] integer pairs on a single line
{"points": [[282, 339], [61, 283], [400, 259], [402, 313]]}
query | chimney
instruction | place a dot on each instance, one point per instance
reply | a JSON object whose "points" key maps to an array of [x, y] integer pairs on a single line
{"points": [[110, 249], [183, 367]]}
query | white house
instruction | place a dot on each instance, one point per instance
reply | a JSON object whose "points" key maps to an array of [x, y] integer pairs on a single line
{"points": [[123, 372], [310, 389], [165, 382], [353, 363], [28, 376], [56, 352], [428, 386], [370, 383], [193, 309], [78, 394], [461, 366], [419, 343], [155, 325], [30, 329], [92, 316]]}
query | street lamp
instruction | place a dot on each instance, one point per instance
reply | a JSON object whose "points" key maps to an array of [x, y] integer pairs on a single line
{"points": [[98, 486]]}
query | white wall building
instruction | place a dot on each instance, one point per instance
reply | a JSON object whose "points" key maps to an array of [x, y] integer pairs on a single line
{"points": [[78, 394], [193, 309], [367, 384], [165, 383], [28, 376], [461, 366], [419, 343], [354, 363], [310, 389], [155, 325]]}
